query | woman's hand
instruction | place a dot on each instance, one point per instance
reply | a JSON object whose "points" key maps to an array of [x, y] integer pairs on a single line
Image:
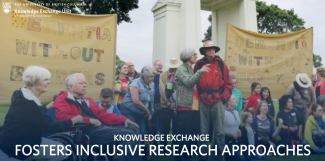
{"points": [[235, 136], [280, 121], [149, 117], [147, 113], [205, 68], [239, 133], [252, 110], [116, 90], [299, 135], [50, 105], [316, 149], [308, 111], [272, 144]]}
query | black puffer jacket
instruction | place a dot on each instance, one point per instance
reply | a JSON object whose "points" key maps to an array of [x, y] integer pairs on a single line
{"points": [[244, 136], [24, 124]]}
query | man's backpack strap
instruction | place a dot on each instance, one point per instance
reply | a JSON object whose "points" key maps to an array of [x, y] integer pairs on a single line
{"points": [[201, 62], [220, 63]]}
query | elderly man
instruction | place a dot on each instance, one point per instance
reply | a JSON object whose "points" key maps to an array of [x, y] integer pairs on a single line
{"points": [[154, 122], [158, 66], [102, 126], [132, 73], [167, 104], [215, 89]]}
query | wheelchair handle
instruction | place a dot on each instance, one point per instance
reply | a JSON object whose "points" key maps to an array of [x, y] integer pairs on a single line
{"points": [[80, 124]]}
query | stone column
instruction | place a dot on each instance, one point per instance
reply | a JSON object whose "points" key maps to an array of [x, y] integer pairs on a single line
{"points": [[177, 25]]}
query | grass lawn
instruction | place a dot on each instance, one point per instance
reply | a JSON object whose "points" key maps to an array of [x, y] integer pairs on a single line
{"points": [[4, 110]]}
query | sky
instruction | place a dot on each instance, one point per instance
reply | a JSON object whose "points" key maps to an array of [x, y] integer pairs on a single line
{"points": [[135, 40]]}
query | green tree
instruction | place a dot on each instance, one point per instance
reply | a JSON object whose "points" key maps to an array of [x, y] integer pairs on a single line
{"points": [[208, 34], [317, 61], [273, 20], [119, 7], [117, 62]]}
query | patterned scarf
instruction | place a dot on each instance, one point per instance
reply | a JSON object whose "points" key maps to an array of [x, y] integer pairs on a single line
{"points": [[171, 77], [320, 122], [233, 113]]}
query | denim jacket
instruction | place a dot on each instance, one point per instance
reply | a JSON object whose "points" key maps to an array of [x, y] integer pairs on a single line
{"points": [[128, 105]]}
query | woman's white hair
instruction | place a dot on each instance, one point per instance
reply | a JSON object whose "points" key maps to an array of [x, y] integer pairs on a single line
{"points": [[229, 99], [147, 70], [186, 54], [72, 79], [34, 75]]}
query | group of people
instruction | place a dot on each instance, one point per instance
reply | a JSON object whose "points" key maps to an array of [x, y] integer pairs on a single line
{"points": [[199, 100]]}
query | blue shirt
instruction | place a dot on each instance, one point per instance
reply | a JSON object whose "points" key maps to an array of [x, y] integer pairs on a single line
{"points": [[115, 109], [157, 92], [134, 84]]}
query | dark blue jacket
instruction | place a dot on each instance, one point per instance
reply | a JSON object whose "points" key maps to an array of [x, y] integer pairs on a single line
{"points": [[24, 124]]}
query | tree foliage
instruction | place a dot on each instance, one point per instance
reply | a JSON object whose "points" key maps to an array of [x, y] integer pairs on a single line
{"points": [[208, 34], [317, 61], [119, 7], [273, 20]]}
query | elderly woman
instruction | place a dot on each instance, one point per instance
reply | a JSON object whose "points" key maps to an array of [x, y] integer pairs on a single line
{"points": [[232, 131], [188, 115], [27, 119], [303, 95], [319, 86], [292, 121], [122, 82], [315, 130], [138, 101]]}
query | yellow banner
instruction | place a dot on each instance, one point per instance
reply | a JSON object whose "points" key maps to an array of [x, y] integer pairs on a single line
{"points": [[271, 60], [63, 43]]}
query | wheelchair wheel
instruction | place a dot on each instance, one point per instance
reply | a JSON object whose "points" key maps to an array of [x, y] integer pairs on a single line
{"points": [[67, 140], [97, 158]]}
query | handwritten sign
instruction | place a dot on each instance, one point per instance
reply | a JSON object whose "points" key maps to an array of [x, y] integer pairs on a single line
{"points": [[60, 42], [271, 60]]}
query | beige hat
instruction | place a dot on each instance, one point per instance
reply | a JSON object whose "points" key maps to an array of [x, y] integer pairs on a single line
{"points": [[209, 44], [173, 63], [303, 80]]}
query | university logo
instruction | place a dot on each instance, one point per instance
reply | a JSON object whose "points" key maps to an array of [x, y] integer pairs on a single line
{"points": [[6, 6]]}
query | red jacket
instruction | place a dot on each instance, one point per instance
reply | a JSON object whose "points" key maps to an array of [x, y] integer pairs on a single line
{"points": [[253, 101], [322, 87], [66, 108], [210, 81]]}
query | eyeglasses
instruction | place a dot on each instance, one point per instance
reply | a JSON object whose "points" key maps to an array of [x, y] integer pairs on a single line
{"points": [[131, 66]]}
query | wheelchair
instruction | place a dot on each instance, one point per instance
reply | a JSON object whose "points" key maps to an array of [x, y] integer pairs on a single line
{"points": [[75, 138]]}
